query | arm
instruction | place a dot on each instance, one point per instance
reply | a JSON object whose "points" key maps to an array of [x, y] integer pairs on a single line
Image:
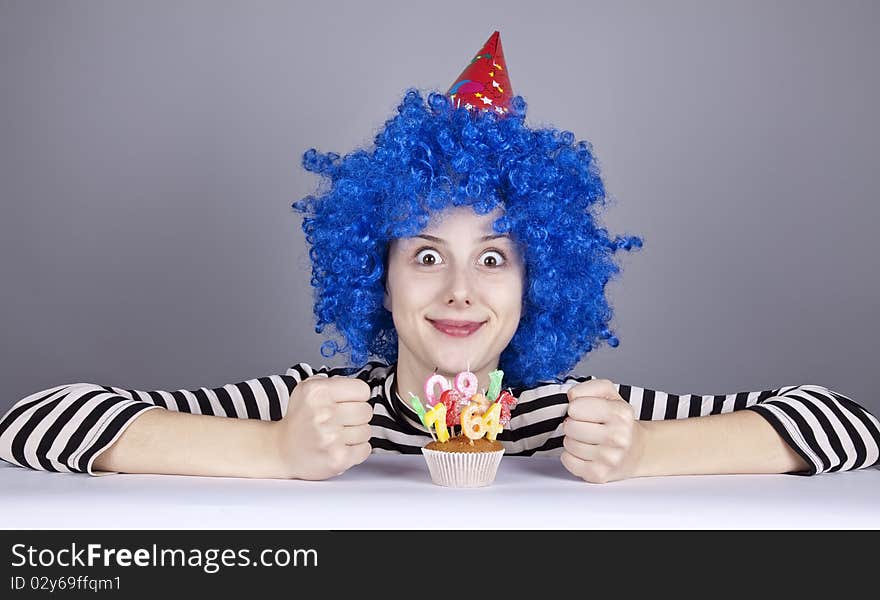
{"points": [[827, 431], [617, 431], [740, 442], [172, 443], [69, 428], [325, 432]]}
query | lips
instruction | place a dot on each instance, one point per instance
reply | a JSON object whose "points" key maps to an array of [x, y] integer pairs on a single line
{"points": [[456, 328]]}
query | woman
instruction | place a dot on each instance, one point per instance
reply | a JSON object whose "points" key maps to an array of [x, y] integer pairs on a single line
{"points": [[462, 238]]}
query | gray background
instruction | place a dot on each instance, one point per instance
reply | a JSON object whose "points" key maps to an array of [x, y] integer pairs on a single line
{"points": [[149, 153]]}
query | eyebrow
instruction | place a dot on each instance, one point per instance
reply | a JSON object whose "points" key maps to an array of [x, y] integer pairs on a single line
{"points": [[485, 238]]}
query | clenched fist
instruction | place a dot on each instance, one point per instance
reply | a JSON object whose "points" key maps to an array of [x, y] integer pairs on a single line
{"points": [[326, 429], [603, 440]]}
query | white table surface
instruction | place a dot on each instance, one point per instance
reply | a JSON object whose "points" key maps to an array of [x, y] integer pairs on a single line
{"points": [[395, 492]]}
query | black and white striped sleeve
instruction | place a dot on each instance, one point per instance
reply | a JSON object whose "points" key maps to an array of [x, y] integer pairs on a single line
{"points": [[64, 428], [828, 430]]}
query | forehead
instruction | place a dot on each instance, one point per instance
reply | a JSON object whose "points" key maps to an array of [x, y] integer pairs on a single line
{"points": [[461, 223]]}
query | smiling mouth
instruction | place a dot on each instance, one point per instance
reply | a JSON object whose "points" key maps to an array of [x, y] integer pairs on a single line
{"points": [[456, 328]]}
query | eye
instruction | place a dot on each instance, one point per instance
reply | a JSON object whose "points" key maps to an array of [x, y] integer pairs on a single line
{"points": [[494, 258], [428, 257]]}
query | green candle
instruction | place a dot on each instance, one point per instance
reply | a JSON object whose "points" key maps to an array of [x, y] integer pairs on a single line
{"points": [[417, 406], [494, 385]]}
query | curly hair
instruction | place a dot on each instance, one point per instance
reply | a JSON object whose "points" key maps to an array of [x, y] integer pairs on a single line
{"points": [[431, 156]]}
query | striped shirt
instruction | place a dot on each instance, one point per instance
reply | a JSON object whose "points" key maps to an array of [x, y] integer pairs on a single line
{"points": [[64, 428]]}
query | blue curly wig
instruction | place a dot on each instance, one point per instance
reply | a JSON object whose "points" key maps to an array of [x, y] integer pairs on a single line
{"points": [[431, 156]]}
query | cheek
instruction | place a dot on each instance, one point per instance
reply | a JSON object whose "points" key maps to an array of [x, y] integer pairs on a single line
{"points": [[510, 283], [513, 307], [505, 295], [412, 294]]}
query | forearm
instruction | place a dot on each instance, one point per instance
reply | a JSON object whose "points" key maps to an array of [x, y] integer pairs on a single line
{"points": [[173, 443], [737, 442]]}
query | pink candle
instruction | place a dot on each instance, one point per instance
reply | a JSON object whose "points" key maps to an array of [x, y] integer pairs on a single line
{"points": [[433, 381], [466, 383]]}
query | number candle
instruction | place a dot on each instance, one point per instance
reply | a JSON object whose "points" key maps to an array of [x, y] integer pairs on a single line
{"points": [[494, 385], [433, 381], [436, 417], [492, 421], [466, 383], [472, 421]]}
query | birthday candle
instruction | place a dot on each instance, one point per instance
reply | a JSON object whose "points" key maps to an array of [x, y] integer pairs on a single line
{"points": [[420, 411], [492, 421], [417, 406], [494, 384], [433, 381], [472, 421], [436, 417], [466, 383]]}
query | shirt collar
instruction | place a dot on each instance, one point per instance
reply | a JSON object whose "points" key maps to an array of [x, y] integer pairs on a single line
{"points": [[402, 409]]}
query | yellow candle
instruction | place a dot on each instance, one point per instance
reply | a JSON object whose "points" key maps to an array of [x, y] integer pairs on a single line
{"points": [[492, 421], [436, 418]]}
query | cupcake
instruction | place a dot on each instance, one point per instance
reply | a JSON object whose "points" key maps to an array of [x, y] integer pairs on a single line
{"points": [[470, 458]]}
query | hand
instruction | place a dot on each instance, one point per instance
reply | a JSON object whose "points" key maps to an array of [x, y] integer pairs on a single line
{"points": [[603, 440], [326, 430]]}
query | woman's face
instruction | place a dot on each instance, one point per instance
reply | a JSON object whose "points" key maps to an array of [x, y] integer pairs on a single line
{"points": [[458, 271]]}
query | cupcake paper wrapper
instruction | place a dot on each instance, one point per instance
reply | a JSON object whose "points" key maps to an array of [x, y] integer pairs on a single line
{"points": [[462, 469]]}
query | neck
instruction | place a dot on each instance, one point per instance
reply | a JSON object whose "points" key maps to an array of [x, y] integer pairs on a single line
{"points": [[411, 375]]}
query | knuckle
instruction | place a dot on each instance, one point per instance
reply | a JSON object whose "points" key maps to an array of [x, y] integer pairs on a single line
{"points": [[365, 452], [624, 412], [365, 389], [574, 465], [311, 384], [303, 388], [356, 387], [597, 474], [312, 398], [619, 439], [605, 455], [327, 439], [337, 460], [319, 418]]}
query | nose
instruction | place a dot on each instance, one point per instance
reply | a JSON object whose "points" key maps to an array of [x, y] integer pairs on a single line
{"points": [[460, 289]]}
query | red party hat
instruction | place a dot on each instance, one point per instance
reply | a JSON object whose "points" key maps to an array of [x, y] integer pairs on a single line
{"points": [[484, 83]]}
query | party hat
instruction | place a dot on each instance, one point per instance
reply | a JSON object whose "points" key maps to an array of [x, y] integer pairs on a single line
{"points": [[484, 84]]}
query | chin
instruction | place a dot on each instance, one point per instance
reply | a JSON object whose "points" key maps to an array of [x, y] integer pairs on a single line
{"points": [[452, 361]]}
